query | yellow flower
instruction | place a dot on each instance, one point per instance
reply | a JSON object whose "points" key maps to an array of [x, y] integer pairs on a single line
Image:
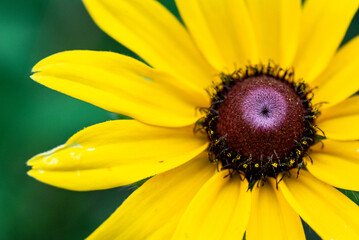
{"points": [[224, 163]]}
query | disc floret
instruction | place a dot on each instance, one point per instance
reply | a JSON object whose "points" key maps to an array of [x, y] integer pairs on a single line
{"points": [[261, 122]]}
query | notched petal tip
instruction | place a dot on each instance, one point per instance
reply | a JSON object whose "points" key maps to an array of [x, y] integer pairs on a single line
{"points": [[36, 173], [119, 84], [57, 58], [45, 158], [106, 155], [31, 162], [41, 63], [33, 172], [35, 77]]}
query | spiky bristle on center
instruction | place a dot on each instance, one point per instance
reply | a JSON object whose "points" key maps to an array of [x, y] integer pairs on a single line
{"points": [[261, 122]]}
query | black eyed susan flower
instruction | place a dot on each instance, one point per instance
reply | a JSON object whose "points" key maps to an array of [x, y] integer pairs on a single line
{"points": [[243, 117]]}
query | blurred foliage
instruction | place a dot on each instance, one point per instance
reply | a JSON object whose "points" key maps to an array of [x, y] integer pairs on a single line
{"points": [[353, 195], [35, 119]]}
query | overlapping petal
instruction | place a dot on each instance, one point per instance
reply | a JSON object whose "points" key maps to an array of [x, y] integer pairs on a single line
{"points": [[336, 163], [276, 24], [324, 24], [153, 211], [222, 30], [344, 149], [120, 84], [337, 171], [220, 210], [271, 216], [115, 153], [329, 212], [341, 120], [340, 79], [151, 31]]}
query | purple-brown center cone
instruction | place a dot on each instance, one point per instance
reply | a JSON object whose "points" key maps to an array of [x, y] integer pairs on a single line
{"points": [[262, 117]]}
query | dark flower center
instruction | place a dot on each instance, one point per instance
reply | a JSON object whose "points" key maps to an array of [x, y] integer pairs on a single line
{"points": [[262, 117], [261, 122]]}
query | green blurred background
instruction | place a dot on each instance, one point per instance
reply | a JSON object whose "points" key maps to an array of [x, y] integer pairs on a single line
{"points": [[35, 119]]}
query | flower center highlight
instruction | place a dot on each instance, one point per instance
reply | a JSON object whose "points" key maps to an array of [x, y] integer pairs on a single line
{"points": [[261, 122]]}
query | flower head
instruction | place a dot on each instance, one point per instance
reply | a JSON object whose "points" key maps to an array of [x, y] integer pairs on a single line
{"points": [[243, 118]]}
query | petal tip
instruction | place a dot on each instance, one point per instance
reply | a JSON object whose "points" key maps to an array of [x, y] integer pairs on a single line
{"points": [[31, 162], [34, 172], [33, 76]]}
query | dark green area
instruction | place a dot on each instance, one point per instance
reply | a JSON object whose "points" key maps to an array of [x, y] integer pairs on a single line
{"points": [[35, 119]]}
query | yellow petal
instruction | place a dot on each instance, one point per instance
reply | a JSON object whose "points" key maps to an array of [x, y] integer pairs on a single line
{"points": [[115, 153], [344, 149], [340, 79], [341, 120], [226, 39], [148, 29], [153, 211], [337, 171], [220, 210], [345, 108], [324, 24], [118, 84], [329, 212], [344, 128], [271, 215], [276, 24]]}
